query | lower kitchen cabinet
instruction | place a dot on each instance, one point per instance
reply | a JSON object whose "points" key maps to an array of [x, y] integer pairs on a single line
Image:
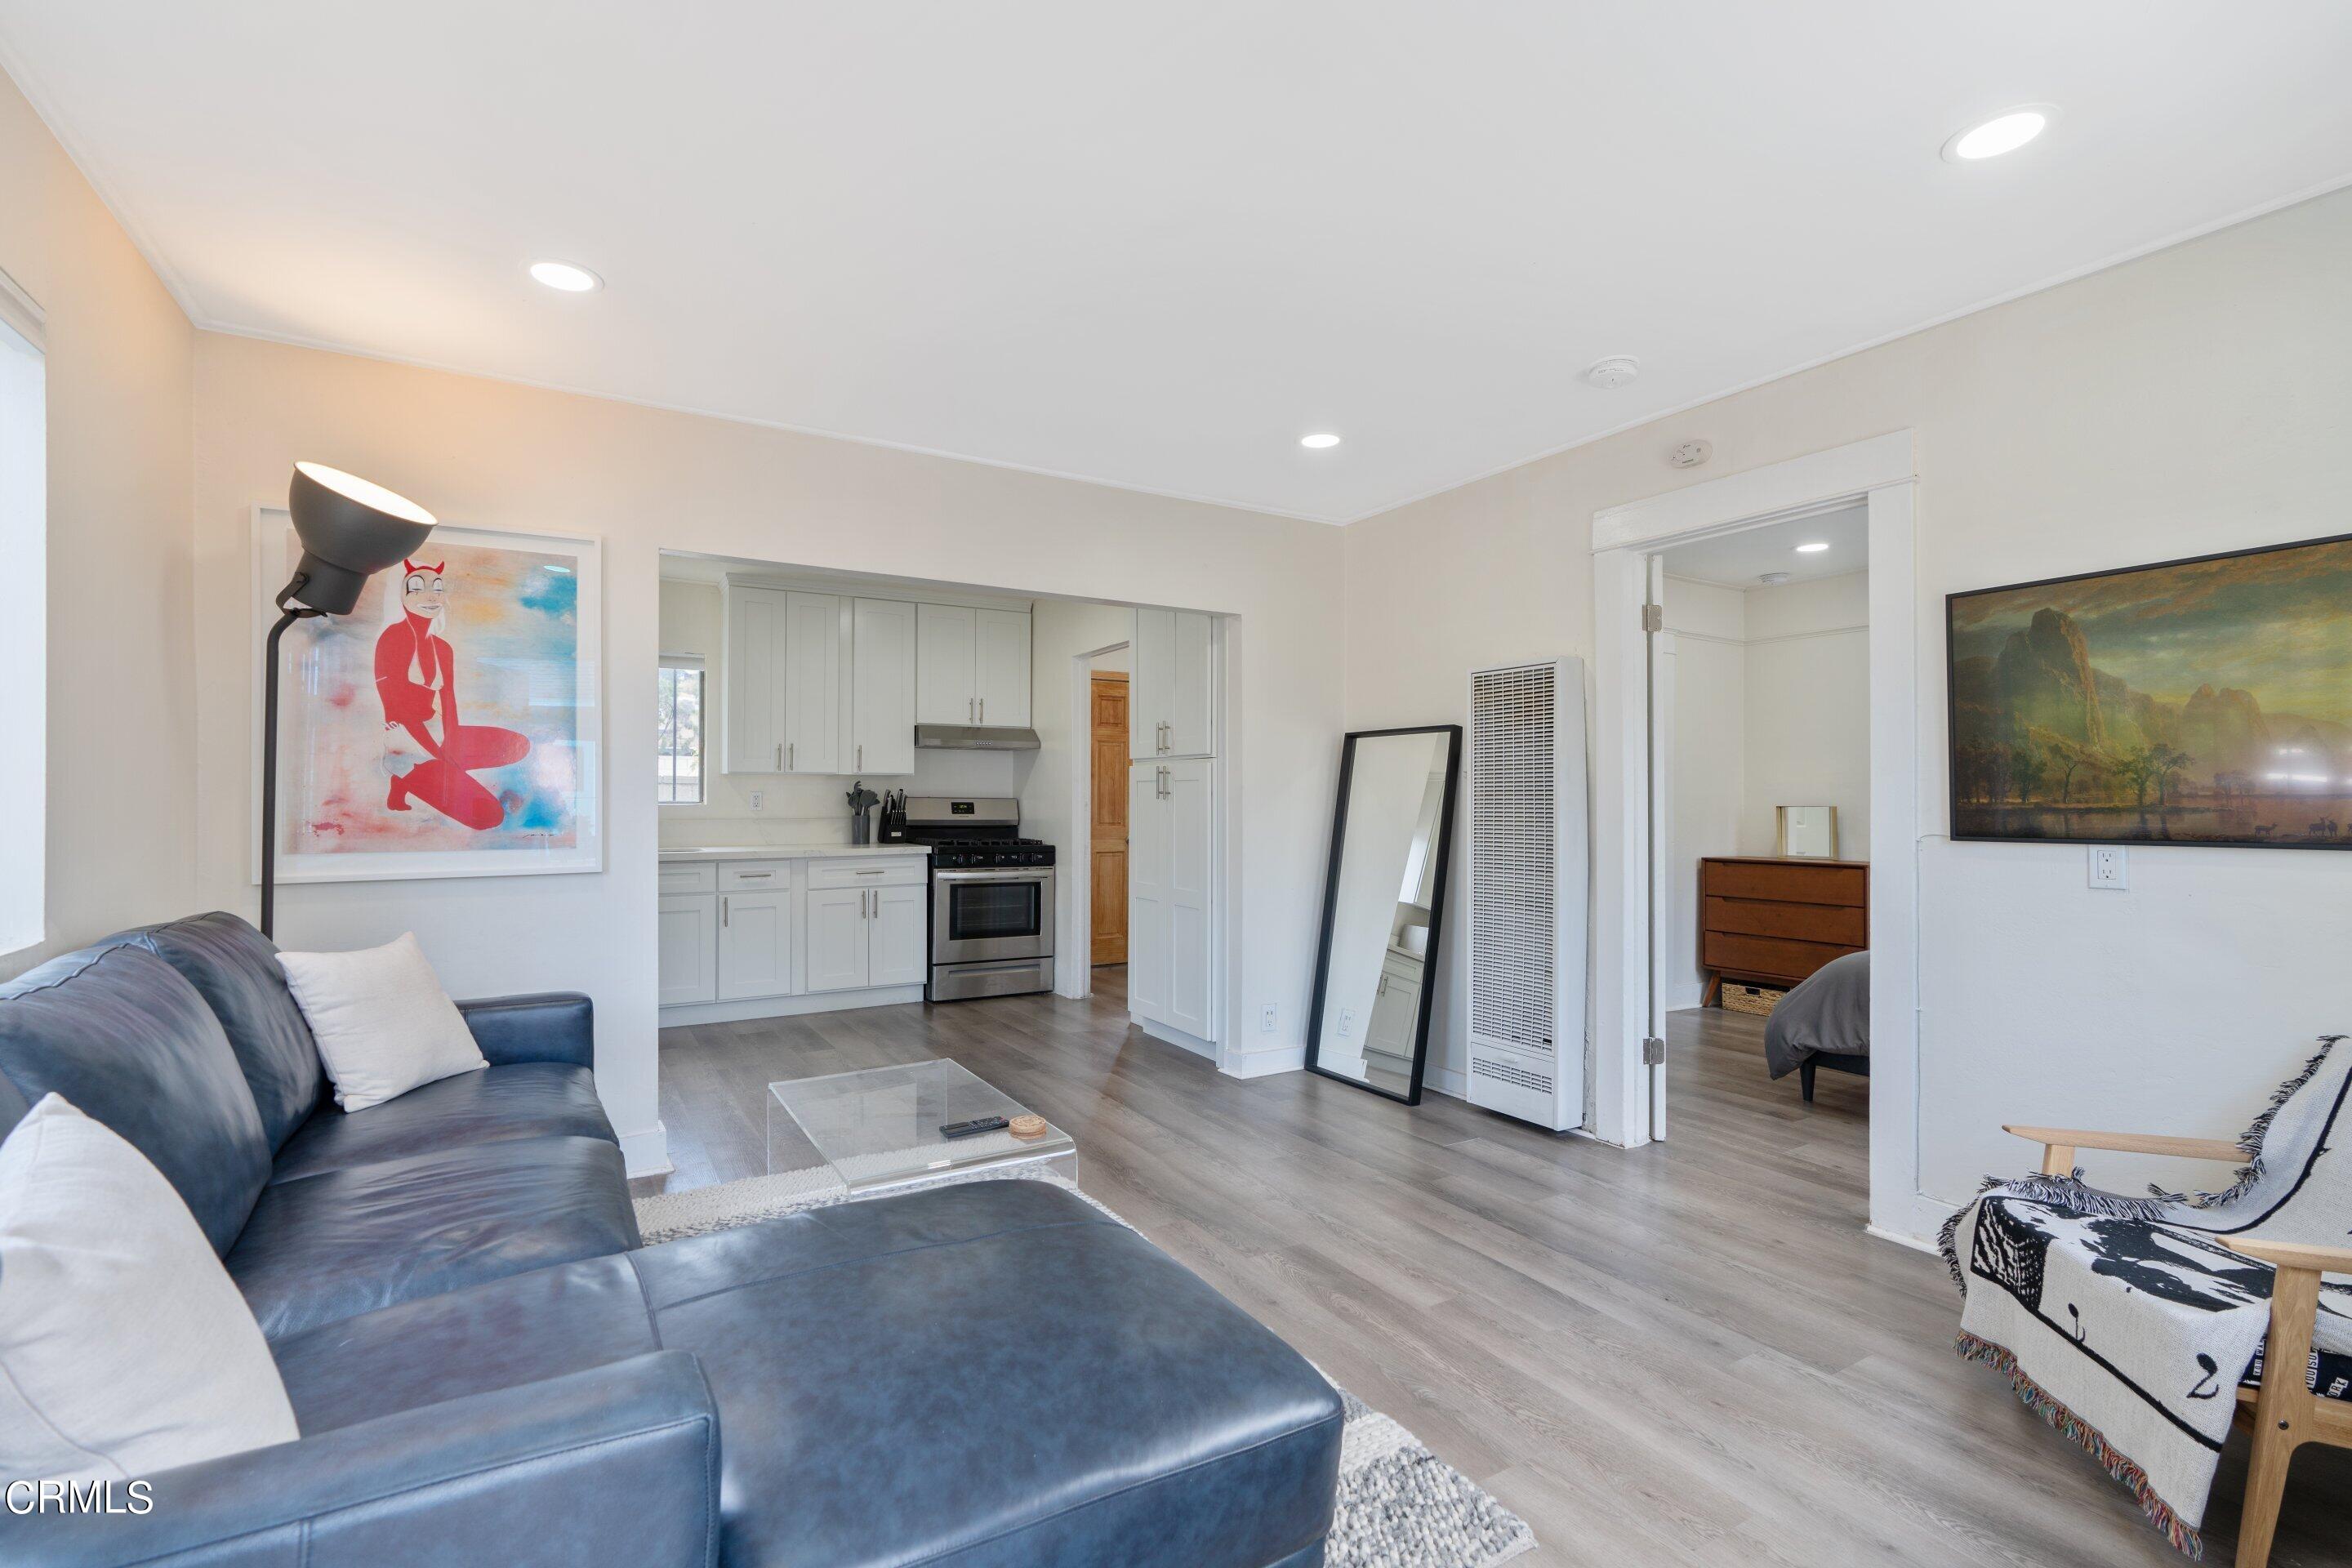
{"points": [[755, 945], [864, 936], [687, 939]]}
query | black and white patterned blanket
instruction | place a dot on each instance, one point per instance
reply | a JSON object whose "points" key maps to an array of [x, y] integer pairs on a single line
{"points": [[2127, 1325]]}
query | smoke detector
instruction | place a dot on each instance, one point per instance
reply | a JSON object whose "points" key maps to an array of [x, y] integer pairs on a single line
{"points": [[1616, 371], [1691, 454], [1773, 579]]}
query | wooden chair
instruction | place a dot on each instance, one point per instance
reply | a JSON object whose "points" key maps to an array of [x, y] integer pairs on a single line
{"points": [[2283, 1413]]}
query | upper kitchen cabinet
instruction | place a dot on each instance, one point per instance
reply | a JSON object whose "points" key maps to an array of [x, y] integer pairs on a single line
{"points": [[972, 666], [752, 681], [784, 681], [816, 640], [1170, 692], [882, 687]]}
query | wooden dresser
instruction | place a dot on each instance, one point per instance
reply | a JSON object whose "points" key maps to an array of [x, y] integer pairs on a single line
{"points": [[1771, 921]]}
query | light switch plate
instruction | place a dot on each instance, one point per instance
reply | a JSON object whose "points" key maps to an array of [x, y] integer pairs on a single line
{"points": [[2109, 870]]}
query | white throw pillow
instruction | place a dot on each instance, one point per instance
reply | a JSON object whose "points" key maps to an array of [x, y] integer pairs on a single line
{"points": [[125, 1348], [383, 1023]]}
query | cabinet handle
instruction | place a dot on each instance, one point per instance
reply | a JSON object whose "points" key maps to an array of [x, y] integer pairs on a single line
{"points": [[983, 709], [780, 756], [861, 756], [972, 709], [724, 913], [753, 876], [875, 873], [788, 752]]}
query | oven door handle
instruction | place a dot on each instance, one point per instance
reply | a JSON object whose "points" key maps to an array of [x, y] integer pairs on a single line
{"points": [[1011, 873]]}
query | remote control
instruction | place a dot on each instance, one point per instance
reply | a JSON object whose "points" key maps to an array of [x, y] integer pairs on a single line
{"points": [[977, 1124]]}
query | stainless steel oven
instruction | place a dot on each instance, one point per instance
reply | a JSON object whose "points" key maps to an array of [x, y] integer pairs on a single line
{"points": [[981, 916], [991, 915]]}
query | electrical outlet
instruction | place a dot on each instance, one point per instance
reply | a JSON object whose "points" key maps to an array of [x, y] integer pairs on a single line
{"points": [[1265, 1019], [759, 800], [2109, 870], [1346, 1022]]}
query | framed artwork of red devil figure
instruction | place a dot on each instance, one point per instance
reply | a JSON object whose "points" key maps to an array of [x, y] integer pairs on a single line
{"points": [[451, 724]]}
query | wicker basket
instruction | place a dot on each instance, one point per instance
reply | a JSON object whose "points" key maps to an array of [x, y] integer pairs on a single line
{"points": [[1758, 999]]}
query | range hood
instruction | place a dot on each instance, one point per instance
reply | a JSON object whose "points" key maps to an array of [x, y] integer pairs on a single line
{"points": [[974, 738]]}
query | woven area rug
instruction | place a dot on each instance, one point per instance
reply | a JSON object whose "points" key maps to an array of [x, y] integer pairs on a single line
{"points": [[1400, 1505]]}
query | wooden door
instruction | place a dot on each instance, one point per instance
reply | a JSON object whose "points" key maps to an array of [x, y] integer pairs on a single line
{"points": [[1109, 781]]}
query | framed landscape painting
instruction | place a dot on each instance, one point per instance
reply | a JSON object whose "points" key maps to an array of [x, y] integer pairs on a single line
{"points": [[2204, 702], [450, 725]]}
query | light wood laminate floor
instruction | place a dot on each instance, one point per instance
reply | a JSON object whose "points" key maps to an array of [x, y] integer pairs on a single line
{"points": [[1686, 1355]]}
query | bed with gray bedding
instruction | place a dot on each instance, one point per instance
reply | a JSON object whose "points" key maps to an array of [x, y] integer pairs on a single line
{"points": [[1824, 1022]]}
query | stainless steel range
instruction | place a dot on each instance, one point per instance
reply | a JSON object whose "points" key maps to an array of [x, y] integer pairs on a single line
{"points": [[992, 896]]}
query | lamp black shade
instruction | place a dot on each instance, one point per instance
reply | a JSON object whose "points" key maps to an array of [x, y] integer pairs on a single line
{"points": [[350, 530]]}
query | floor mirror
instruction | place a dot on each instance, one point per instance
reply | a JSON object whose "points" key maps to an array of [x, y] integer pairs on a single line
{"points": [[1384, 908]]}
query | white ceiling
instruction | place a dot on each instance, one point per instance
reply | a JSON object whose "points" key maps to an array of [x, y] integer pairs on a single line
{"points": [[1739, 560], [1153, 244]]}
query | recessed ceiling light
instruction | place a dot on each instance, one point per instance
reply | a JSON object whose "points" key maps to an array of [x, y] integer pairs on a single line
{"points": [[2004, 132], [564, 276], [1813, 549], [1321, 441]]}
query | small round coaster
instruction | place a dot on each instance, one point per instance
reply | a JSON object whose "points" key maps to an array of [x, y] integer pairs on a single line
{"points": [[1026, 1126]]}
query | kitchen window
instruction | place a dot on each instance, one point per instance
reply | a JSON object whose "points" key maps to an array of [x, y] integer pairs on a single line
{"points": [[681, 755]]}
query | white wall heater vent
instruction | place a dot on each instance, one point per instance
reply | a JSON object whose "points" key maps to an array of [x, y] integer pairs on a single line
{"points": [[1527, 892]]}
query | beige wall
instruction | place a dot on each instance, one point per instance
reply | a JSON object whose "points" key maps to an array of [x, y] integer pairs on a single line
{"points": [[121, 742], [1806, 730], [1059, 632], [2190, 402], [490, 454]]}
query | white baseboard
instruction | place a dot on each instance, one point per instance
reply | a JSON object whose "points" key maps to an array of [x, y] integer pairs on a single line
{"points": [[789, 1006], [1916, 1243], [1263, 1064], [1177, 1038], [646, 1153], [1446, 1081], [1913, 1219]]}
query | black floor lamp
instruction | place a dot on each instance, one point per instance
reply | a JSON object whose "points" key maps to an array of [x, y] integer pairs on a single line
{"points": [[350, 530]]}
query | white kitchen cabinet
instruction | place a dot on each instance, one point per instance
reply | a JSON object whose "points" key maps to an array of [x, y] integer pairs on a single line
{"points": [[687, 944], [837, 941], [755, 945], [898, 933], [1171, 687], [812, 678], [751, 680], [1396, 1013], [1000, 667], [864, 936], [972, 666], [882, 701], [946, 643], [1172, 871]]}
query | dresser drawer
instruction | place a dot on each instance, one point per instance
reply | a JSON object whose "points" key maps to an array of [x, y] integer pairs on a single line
{"points": [[755, 876], [1785, 881], [1845, 925], [689, 880], [1768, 958], [869, 872]]}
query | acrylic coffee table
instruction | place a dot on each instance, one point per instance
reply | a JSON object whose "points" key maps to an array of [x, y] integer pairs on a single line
{"points": [[880, 1127]]}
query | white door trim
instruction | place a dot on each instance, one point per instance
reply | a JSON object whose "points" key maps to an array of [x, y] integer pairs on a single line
{"points": [[1883, 474]]}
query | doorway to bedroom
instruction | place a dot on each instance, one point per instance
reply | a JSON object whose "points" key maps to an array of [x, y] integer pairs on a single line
{"points": [[1760, 718]]}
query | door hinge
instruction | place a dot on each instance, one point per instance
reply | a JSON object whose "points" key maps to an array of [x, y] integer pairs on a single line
{"points": [[1653, 1053], [1653, 617]]}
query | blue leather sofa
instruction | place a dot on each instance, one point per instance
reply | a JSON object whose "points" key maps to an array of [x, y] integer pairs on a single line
{"points": [[488, 1368]]}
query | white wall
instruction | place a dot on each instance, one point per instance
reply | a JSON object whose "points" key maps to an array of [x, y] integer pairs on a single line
{"points": [[2190, 402], [120, 730], [1060, 630], [1708, 693], [491, 454], [1806, 724], [793, 808]]}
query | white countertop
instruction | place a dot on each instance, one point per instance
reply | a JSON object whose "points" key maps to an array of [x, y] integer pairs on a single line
{"points": [[788, 851]]}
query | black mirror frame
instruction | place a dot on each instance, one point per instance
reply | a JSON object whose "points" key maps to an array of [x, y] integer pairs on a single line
{"points": [[1453, 733]]}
